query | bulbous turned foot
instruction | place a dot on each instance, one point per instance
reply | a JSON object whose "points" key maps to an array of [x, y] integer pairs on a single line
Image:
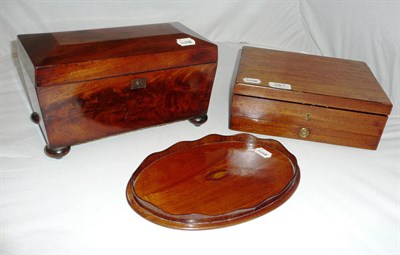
{"points": [[57, 153], [198, 121], [35, 117]]}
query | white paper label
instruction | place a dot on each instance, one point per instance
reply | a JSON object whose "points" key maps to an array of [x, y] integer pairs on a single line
{"points": [[279, 85], [263, 152], [252, 80], [185, 41]]}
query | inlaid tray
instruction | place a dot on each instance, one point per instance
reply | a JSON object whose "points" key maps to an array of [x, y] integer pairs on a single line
{"points": [[213, 182]]}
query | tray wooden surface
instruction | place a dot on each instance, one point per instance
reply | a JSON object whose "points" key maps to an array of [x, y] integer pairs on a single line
{"points": [[213, 182]]}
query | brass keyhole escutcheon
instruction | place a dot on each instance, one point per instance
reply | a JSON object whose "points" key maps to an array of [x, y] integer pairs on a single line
{"points": [[308, 116], [304, 132], [140, 83]]}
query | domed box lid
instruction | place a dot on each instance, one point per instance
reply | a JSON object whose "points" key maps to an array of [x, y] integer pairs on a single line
{"points": [[74, 56]]}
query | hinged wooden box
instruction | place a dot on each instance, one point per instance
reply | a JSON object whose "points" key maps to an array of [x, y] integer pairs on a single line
{"points": [[308, 97], [85, 85]]}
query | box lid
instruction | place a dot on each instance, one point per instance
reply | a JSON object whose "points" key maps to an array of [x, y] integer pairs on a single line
{"points": [[308, 79], [65, 57]]}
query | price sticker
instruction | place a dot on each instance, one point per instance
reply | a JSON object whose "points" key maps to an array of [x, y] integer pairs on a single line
{"points": [[278, 85], [185, 41], [252, 80], [263, 152]]}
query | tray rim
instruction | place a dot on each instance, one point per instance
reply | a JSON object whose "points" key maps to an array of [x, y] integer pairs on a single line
{"points": [[221, 220]]}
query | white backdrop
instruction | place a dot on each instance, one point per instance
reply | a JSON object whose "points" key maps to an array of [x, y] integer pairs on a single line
{"points": [[347, 201], [366, 31]]}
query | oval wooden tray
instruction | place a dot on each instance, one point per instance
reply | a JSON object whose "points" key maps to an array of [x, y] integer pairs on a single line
{"points": [[213, 182]]}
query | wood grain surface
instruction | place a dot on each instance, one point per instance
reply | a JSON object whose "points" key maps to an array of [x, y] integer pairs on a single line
{"points": [[81, 83], [324, 81], [325, 125], [67, 57], [85, 111], [326, 99], [213, 182]]}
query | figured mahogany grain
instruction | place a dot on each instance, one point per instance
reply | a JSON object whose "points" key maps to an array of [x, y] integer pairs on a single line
{"points": [[213, 182], [80, 82], [89, 110]]}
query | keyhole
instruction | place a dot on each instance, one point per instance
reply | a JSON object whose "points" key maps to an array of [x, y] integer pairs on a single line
{"points": [[304, 132]]}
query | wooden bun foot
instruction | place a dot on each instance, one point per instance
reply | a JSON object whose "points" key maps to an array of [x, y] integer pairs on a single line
{"points": [[198, 121], [35, 117], [57, 153]]}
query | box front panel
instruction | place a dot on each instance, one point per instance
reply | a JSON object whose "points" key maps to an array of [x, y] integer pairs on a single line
{"points": [[79, 112], [306, 122]]}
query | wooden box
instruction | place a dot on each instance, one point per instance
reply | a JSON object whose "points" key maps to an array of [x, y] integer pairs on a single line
{"points": [[85, 85], [308, 97]]}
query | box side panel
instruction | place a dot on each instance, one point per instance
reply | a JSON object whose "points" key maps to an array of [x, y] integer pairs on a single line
{"points": [[80, 112], [25, 62], [29, 78], [321, 124]]}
